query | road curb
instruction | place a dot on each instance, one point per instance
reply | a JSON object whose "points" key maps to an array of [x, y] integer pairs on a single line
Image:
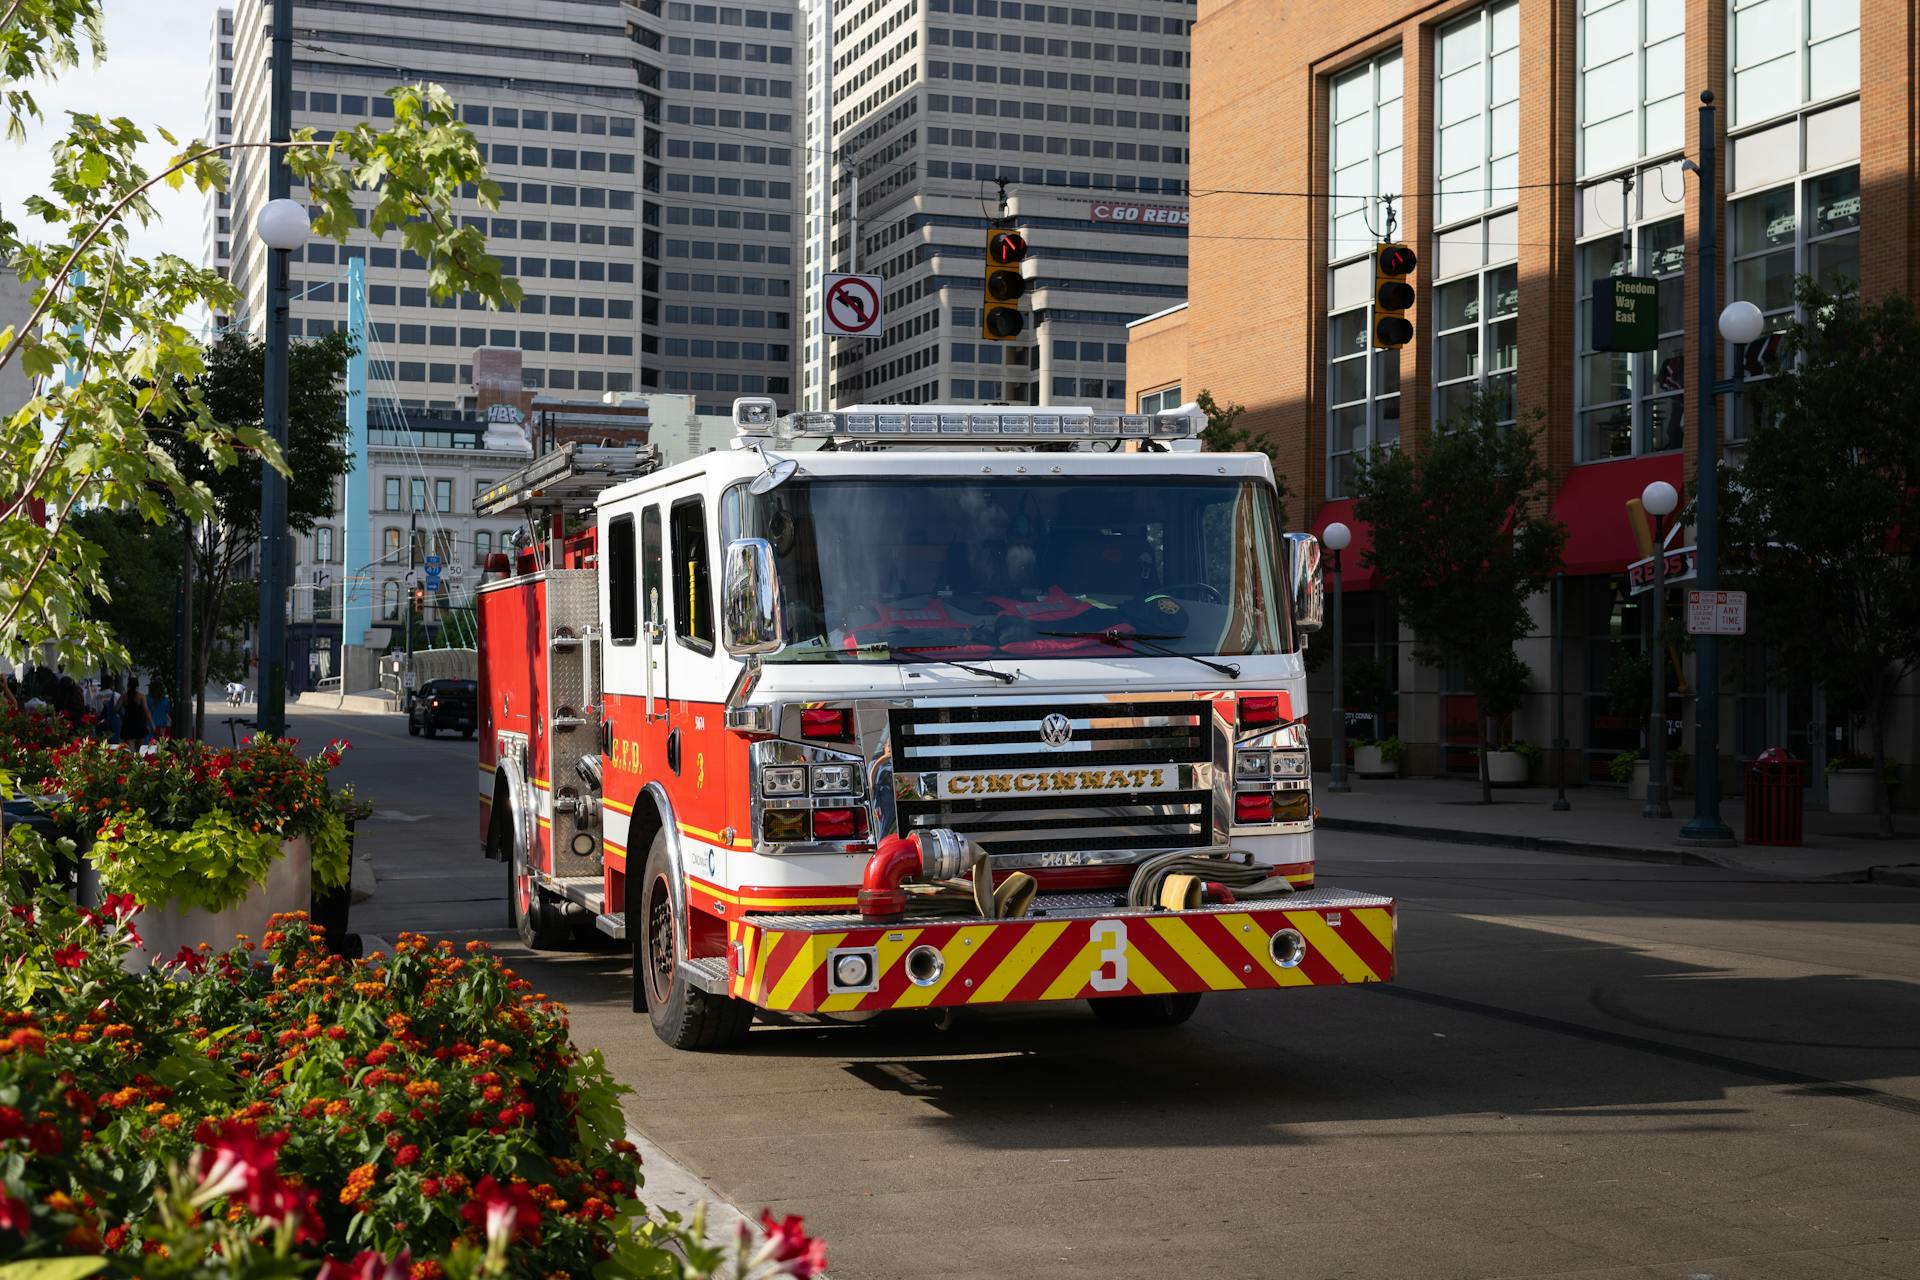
{"points": [[673, 1188], [1907, 876], [1508, 840]]}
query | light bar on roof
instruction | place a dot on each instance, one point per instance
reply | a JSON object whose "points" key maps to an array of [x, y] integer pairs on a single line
{"points": [[974, 424]]}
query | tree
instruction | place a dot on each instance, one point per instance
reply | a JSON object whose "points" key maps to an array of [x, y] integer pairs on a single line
{"points": [[233, 389], [116, 322], [1224, 434], [139, 566], [1820, 520], [1459, 543]]}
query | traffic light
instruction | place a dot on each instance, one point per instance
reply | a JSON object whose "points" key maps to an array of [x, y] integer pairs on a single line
{"points": [[1000, 318], [419, 598], [1392, 295]]}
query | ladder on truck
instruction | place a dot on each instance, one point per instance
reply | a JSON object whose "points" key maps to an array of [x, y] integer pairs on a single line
{"points": [[567, 479]]}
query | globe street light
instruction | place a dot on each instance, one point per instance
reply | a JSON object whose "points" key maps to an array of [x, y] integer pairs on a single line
{"points": [[1741, 322], [1660, 500], [1336, 537]]}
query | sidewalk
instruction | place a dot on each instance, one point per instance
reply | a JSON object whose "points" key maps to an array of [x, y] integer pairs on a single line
{"points": [[1604, 823]]}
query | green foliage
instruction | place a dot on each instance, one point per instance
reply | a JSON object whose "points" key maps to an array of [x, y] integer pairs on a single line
{"points": [[1224, 434], [1630, 685], [1526, 751], [1821, 519], [1460, 540], [1392, 750], [332, 851], [1620, 768], [213, 864], [115, 438], [140, 570]]}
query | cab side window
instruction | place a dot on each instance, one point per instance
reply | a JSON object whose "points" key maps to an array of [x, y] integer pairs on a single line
{"points": [[623, 611], [691, 586]]}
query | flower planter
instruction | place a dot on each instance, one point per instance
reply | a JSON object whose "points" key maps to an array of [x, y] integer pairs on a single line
{"points": [[1852, 791], [1368, 763], [1637, 789], [1506, 769], [166, 927]]}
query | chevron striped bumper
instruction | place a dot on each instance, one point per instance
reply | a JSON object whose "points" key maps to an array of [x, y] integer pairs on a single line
{"points": [[1072, 947]]}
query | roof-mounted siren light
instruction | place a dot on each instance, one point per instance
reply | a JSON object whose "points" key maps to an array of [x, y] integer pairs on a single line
{"points": [[755, 416], [1181, 428]]}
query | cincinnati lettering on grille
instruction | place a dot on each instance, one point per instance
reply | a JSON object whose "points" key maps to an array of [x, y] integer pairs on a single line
{"points": [[981, 784]]}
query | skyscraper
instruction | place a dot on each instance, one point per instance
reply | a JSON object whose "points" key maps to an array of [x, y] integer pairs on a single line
{"points": [[922, 107], [645, 157]]}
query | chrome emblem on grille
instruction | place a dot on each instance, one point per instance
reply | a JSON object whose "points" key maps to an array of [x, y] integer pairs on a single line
{"points": [[1056, 730]]}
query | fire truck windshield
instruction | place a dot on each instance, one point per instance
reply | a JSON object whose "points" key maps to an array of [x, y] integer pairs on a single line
{"points": [[963, 568]]}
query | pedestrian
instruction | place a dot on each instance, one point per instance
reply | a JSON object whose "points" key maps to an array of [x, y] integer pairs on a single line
{"points": [[108, 713], [161, 709], [136, 720]]}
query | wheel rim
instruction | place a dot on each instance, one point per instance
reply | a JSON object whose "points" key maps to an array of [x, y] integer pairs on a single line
{"points": [[660, 950], [522, 887]]}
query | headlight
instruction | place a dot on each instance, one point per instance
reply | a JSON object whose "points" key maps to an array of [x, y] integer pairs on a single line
{"points": [[1250, 764], [1290, 764], [835, 779], [783, 780]]}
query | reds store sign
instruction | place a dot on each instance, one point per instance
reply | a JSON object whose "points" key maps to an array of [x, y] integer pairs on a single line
{"points": [[1163, 215]]}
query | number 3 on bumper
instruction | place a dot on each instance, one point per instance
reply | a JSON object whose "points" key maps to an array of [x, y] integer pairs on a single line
{"points": [[1111, 975]]}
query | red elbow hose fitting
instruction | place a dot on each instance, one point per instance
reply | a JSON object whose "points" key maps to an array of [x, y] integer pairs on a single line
{"points": [[882, 900]]}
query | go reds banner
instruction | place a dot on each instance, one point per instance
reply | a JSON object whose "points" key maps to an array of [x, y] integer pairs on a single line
{"points": [[1163, 215]]}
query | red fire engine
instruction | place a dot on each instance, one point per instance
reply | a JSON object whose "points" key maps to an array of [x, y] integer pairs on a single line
{"points": [[913, 707]]}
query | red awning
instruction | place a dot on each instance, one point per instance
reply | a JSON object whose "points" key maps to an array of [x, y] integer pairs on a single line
{"points": [[1353, 575], [1593, 506]]}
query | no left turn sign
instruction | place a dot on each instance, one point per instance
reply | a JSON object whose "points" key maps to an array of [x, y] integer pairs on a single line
{"points": [[853, 305]]}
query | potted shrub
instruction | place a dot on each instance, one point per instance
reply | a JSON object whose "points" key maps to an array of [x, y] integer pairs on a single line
{"points": [[1629, 769], [1850, 783], [332, 902], [1511, 764], [210, 843], [1378, 758]]}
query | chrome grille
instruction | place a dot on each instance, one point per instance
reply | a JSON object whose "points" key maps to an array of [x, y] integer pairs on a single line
{"points": [[1174, 735]]}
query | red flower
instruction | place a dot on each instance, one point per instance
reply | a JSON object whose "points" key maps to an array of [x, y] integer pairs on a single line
{"points": [[190, 960], [69, 957], [121, 906], [802, 1255], [502, 1211], [237, 1162], [12, 1123], [15, 1215], [406, 1155], [22, 913], [368, 1265]]}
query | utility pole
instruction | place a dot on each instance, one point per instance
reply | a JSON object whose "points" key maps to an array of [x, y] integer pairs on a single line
{"points": [[272, 687]]}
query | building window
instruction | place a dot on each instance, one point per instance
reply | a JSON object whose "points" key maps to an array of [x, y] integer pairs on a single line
{"points": [[1161, 401], [443, 495], [1788, 53], [390, 600], [390, 546], [393, 493], [419, 502], [323, 544], [1476, 305], [482, 547], [1364, 157], [1632, 81], [1632, 403], [1477, 116]]}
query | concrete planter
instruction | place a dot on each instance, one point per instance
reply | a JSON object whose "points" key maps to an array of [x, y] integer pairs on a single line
{"points": [[1368, 763], [168, 926], [1506, 769], [1637, 789], [1852, 791]]}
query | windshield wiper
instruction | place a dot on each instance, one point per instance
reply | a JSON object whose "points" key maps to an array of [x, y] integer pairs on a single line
{"points": [[1116, 637], [915, 655]]}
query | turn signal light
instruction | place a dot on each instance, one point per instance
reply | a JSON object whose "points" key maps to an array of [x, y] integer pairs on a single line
{"points": [[1253, 806], [839, 824], [1260, 708], [835, 723]]}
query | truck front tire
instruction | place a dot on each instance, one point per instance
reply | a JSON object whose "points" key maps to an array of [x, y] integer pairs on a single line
{"points": [[1144, 1012], [533, 915], [683, 1016]]}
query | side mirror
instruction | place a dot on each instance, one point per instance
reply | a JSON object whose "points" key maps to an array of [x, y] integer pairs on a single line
{"points": [[750, 599], [1306, 587]]}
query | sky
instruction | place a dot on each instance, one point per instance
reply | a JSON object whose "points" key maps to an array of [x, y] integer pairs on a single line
{"points": [[155, 73]]}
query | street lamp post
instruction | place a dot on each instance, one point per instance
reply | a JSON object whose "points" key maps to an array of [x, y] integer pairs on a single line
{"points": [[1660, 500], [1336, 537], [282, 226]]}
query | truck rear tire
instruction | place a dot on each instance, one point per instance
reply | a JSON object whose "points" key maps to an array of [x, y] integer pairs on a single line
{"points": [[683, 1016], [1143, 1012]]}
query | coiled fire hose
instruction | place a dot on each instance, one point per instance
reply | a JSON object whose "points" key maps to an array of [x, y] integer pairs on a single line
{"points": [[954, 878], [1186, 878]]}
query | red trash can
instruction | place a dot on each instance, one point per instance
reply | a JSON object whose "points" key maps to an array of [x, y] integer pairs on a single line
{"points": [[1776, 798]]}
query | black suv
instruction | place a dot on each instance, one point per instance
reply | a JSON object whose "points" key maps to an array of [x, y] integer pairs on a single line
{"points": [[442, 704]]}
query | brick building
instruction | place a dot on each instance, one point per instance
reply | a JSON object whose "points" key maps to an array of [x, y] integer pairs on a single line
{"points": [[1527, 148]]}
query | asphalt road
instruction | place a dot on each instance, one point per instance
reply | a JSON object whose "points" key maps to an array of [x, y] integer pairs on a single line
{"points": [[1587, 1068]]}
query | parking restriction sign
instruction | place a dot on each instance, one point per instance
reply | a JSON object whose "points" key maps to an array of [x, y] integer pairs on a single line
{"points": [[1716, 613]]}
